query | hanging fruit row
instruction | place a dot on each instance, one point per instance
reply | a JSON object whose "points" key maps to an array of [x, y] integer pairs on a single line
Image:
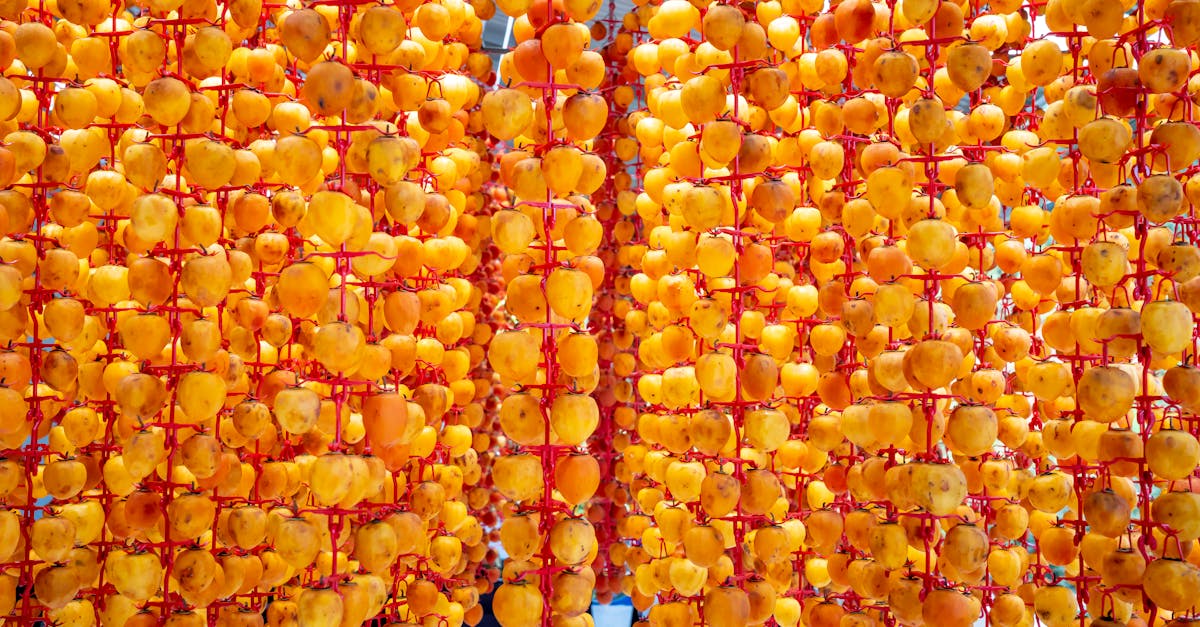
{"points": [[910, 291]]}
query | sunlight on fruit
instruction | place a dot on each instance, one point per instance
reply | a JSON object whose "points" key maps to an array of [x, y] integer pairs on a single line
{"points": [[834, 314]]}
